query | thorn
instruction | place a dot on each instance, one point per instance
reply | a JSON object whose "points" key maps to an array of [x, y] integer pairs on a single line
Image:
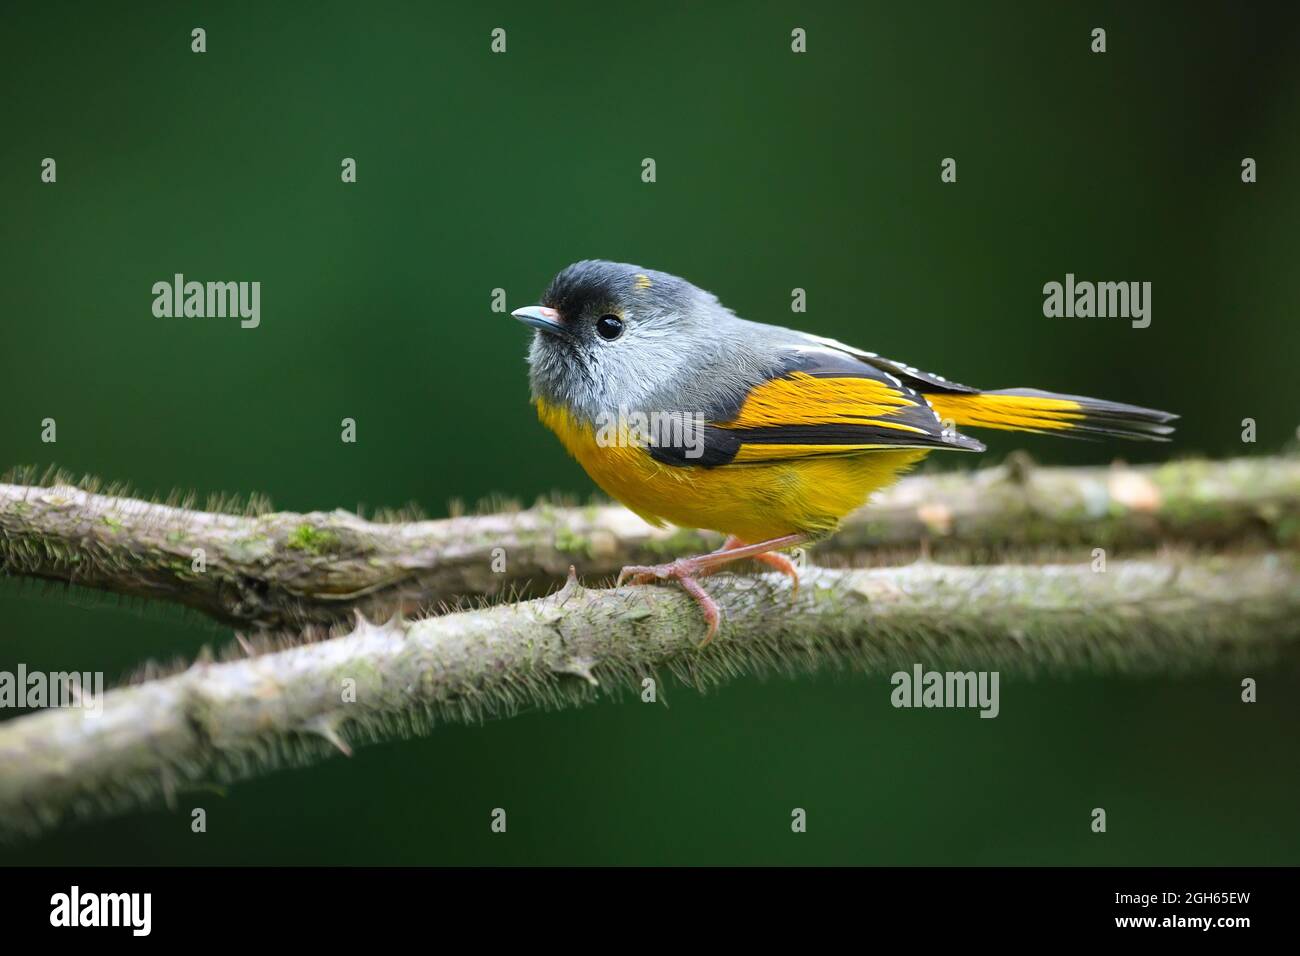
{"points": [[363, 625], [571, 586], [244, 643], [580, 667], [323, 727], [397, 619]]}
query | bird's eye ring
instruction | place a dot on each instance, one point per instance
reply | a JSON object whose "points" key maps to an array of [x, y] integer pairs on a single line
{"points": [[609, 327]]}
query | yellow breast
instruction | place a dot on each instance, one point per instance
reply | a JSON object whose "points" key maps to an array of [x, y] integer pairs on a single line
{"points": [[755, 502]]}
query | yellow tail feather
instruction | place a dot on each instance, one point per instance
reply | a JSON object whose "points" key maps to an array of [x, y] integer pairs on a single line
{"points": [[1031, 410]]}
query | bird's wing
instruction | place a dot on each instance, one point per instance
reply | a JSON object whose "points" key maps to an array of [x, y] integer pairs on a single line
{"points": [[820, 400], [1021, 409], [914, 378]]}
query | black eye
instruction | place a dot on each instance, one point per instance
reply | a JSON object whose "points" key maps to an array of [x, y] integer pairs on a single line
{"points": [[610, 327]]}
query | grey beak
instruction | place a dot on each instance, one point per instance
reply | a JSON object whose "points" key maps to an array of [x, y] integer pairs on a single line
{"points": [[540, 317]]}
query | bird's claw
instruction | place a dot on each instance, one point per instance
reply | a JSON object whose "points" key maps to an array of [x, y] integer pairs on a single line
{"points": [[683, 572]]}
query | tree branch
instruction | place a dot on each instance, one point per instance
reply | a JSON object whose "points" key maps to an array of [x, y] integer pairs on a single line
{"points": [[283, 571], [218, 722]]}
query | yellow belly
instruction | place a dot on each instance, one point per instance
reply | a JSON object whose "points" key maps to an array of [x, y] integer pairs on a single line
{"points": [[755, 502]]}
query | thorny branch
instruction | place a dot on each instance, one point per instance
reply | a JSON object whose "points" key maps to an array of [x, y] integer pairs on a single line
{"points": [[219, 722], [281, 571]]}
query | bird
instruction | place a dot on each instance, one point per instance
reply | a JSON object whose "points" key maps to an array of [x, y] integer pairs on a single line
{"points": [[692, 416]]}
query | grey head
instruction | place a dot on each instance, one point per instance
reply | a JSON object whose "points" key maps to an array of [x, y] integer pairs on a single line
{"points": [[612, 335]]}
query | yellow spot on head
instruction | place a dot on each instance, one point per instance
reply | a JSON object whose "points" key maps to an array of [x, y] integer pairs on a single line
{"points": [[642, 282]]}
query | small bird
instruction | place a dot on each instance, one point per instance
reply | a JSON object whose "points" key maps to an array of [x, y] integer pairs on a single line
{"points": [[691, 415]]}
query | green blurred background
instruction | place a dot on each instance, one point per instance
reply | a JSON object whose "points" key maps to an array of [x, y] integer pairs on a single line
{"points": [[775, 170]]}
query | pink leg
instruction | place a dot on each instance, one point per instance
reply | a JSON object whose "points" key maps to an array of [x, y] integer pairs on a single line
{"points": [[772, 559], [685, 571]]}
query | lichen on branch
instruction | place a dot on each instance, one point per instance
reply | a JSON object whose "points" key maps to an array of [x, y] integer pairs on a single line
{"points": [[220, 721], [281, 571]]}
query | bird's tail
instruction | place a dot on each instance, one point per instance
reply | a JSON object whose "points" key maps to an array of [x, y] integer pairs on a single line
{"points": [[1031, 410]]}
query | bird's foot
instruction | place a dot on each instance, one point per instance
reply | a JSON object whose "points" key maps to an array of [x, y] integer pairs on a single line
{"points": [[683, 571]]}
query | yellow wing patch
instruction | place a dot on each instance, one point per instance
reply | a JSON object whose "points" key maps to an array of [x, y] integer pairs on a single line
{"points": [[803, 399], [766, 452]]}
